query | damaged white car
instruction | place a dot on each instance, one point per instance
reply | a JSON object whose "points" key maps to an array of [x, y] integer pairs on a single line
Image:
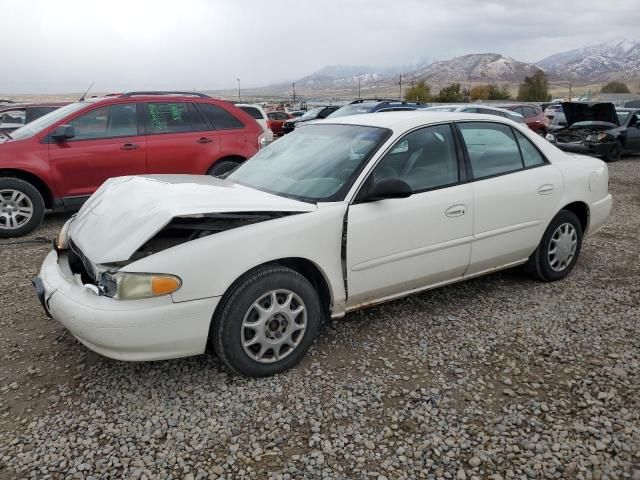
{"points": [[336, 216]]}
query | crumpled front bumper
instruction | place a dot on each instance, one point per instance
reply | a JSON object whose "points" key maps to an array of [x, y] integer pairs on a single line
{"points": [[593, 149], [147, 329]]}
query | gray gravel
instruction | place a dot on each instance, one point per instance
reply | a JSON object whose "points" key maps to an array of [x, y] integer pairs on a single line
{"points": [[501, 377]]}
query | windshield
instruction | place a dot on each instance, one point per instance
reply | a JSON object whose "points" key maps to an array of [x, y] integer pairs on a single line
{"points": [[315, 163], [352, 110], [313, 113], [32, 128], [622, 117]]}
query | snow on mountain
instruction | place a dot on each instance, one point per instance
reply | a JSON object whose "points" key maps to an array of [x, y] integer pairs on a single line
{"points": [[476, 67], [618, 59]]}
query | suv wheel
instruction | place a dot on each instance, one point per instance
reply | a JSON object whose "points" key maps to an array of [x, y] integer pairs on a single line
{"points": [[267, 321], [222, 167], [21, 207], [558, 250], [615, 153]]}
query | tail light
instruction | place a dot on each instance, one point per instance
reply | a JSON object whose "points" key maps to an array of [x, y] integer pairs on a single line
{"points": [[262, 140]]}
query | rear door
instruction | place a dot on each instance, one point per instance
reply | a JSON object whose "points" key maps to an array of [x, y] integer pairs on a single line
{"points": [[107, 143], [179, 139], [515, 192]]}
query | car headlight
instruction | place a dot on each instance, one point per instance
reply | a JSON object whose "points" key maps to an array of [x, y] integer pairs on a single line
{"points": [[62, 242], [133, 286], [596, 137], [550, 137]]}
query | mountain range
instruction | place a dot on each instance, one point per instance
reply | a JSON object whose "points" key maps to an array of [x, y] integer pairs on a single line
{"points": [[618, 59]]}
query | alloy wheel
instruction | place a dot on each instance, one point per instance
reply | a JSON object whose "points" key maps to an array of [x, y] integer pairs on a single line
{"points": [[562, 247], [16, 209], [273, 326]]}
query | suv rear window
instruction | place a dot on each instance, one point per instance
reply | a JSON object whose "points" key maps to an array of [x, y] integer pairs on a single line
{"points": [[219, 117], [174, 118], [253, 111]]}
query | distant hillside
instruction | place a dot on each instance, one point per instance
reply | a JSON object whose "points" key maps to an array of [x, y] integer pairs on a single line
{"points": [[618, 59]]}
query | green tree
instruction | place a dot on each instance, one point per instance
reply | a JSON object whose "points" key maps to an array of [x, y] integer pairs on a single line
{"points": [[450, 94], [489, 92], [420, 92], [499, 93], [615, 87], [535, 88]]}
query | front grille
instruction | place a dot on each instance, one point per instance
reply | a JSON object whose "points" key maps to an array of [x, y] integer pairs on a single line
{"points": [[80, 264]]}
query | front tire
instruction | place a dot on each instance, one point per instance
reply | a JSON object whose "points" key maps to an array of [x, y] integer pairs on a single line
{"points": [[558, 250], [266, 322], [615, 153], [21, 207]]}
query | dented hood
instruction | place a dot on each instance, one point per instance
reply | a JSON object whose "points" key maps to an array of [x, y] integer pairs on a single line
{"points": [[125, 212]]}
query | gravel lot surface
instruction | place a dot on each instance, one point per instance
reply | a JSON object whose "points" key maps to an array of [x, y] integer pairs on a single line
{"points": [[499, 377]]}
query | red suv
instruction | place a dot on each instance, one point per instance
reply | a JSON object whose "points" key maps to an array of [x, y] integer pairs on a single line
{"points": [[57, 161], [534, 117]]}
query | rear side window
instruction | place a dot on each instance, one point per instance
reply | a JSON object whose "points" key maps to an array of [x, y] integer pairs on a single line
{"points": [[531, 157], [488, 111], [174, 118], [253, 111], [492, 148], [219, 117]]}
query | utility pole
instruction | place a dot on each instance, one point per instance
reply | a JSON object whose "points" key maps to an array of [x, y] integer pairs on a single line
{"points": [[570, 99], [400, 83], [358, 88], [239, 99], [293, 86]]}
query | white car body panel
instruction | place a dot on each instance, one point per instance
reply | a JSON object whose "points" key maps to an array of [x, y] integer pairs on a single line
{"points": [[390, 248], [145, 204], [262, 121], [415, 243]]}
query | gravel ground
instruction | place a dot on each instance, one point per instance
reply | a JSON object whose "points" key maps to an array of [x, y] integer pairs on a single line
{"points": [[499, 377]]}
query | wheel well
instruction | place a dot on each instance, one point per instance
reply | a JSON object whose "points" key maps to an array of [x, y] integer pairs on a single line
{"points": [[233, 158], [311, 272], [581, 210], [33, 180]]}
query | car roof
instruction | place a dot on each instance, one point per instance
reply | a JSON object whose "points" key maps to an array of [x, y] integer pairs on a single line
{"points": [[410, 119]]}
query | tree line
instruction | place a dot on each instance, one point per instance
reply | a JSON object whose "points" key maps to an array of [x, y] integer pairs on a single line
{"points": [[534, 88]]}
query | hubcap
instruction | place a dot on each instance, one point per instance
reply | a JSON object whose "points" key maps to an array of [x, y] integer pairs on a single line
{"points": [[16, 209], [562, 247], [274, 326]]}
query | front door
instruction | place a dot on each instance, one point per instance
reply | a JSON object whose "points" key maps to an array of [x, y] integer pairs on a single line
{"points": [[633, 133], [396, 246], [515, 194], [106, 144]]}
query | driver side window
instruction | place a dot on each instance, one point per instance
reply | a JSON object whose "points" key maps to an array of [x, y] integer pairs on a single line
{"points": [[425, 159]]}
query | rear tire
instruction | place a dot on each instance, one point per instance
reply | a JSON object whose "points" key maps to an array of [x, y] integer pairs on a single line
{"points": [[558, 250], [222, 167], [266, 322], [21, 207]]}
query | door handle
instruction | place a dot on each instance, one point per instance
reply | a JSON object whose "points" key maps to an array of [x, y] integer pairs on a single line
{"points": [[545, 189], [456, 211], [204, 140], [129, 146]]}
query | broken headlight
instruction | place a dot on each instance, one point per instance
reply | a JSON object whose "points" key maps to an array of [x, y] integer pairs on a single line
{"points": [[62, 242], [596, 137], [133, 286]]}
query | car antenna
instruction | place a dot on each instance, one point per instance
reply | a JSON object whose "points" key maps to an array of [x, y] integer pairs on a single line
{"points": [[85, 92]]}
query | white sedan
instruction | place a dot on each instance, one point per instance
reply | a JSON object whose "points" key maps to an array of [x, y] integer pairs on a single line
{"points": [[337, 216]]}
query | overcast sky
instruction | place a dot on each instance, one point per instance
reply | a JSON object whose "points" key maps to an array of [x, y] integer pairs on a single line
{"points": [[63, 45]]}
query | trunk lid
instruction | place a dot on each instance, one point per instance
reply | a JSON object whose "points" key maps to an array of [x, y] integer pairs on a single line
{"points": [[127, 211]]}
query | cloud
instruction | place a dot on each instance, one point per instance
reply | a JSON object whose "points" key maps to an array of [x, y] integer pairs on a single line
{"points": [[64, 45]]}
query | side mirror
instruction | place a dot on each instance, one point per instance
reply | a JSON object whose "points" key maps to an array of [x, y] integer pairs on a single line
{"points": [[389, 188], [63, 132]]}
